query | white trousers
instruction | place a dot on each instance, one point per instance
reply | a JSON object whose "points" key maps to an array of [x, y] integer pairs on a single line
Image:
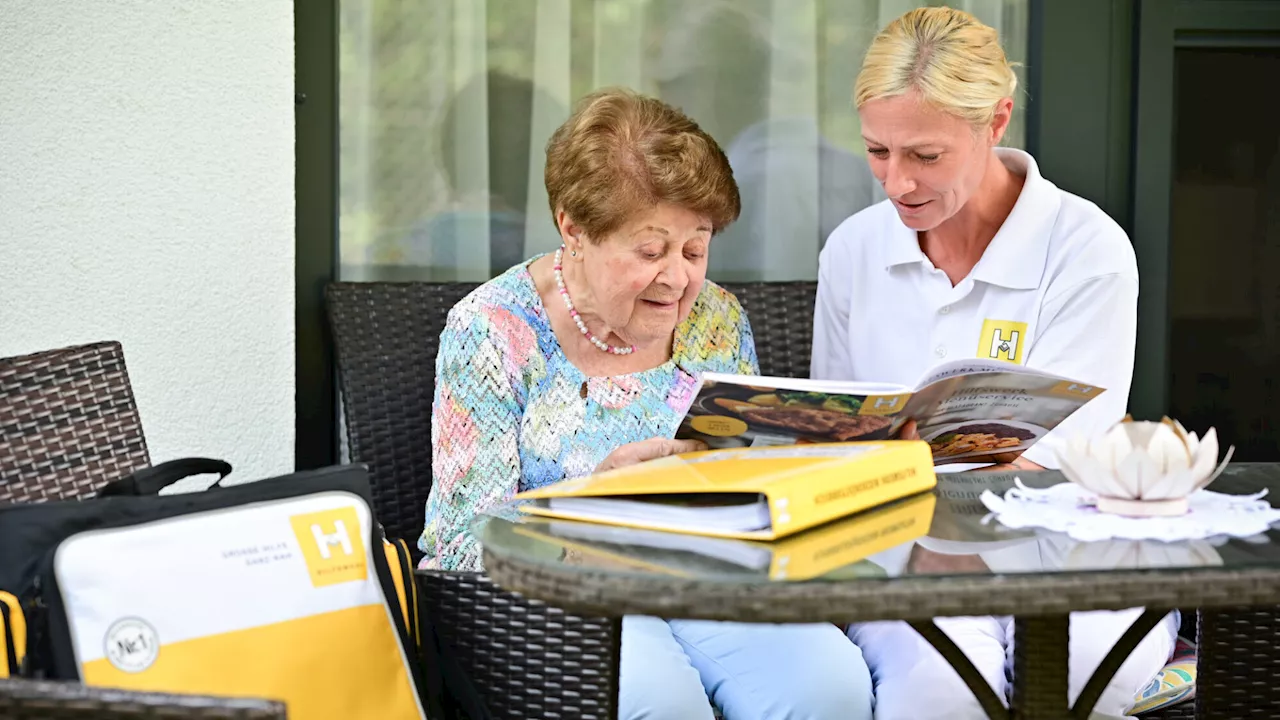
{"points": [[913, 681]]}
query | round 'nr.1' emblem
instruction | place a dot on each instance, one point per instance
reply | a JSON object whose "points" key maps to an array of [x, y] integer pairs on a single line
{"points": [[131, 644]]}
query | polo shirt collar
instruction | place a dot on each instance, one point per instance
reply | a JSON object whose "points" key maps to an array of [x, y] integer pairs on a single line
{"points": [[904, 244], [1017, 254]]}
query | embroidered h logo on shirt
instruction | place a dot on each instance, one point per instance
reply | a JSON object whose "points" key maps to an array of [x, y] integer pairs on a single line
{"points": [[1002, 340]]}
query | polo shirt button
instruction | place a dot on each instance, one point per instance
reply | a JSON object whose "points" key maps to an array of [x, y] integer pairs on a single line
{"points": [[940, 351], [945, 309]]}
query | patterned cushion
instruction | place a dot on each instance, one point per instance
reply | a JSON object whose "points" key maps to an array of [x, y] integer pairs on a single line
{"points": [[1175, 682]]}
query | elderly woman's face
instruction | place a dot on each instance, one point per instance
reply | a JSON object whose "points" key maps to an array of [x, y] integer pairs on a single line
{"points": [[645, 276], [930, 162]]}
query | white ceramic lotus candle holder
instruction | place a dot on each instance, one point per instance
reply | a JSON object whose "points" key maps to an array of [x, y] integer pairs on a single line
{"points": [[1143, 469]]}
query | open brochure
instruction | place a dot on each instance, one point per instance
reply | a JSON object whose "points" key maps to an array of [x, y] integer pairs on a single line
{"points": [[967, 410]]}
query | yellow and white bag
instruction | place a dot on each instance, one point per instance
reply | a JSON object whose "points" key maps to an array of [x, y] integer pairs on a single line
{"points": [[279, 589]]}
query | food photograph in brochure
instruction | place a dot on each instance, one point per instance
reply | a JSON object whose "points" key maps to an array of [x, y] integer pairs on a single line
{"points": [[970, 411]]}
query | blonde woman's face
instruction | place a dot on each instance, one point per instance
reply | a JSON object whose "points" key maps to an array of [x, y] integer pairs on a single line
{"points": [[930, 162], [645, 276]]}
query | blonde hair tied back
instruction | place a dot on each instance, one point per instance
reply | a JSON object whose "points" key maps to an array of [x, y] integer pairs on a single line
{"points": [[949, 56]]}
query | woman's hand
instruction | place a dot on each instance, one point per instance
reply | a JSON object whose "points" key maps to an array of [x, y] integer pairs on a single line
{"points": [[1005, 462], [651, 449], [908, 431]]}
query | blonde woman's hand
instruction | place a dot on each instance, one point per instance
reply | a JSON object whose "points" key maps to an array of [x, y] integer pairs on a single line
{"points": [[651, 449]]}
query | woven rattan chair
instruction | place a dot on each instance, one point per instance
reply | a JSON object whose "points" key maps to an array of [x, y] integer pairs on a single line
{"points": [[43, 700], [525, 658], [385, 340], [781, 315], [68, 423]]}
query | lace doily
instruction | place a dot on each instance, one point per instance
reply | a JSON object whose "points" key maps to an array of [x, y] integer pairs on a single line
{"points": [[1068, 508]]}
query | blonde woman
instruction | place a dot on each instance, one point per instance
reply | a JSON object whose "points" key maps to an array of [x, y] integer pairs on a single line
{"points": [[974, 254]]}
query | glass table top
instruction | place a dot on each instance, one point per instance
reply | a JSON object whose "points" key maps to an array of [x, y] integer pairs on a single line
{"points": [[944, 532]]}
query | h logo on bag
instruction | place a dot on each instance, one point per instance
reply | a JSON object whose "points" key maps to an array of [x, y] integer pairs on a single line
{"points": [[1002, 340], [332, 546], [338, 538]]}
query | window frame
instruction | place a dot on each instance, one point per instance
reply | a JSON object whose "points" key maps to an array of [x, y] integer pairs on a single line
{"points": [[1060, 90], [315, 26]]}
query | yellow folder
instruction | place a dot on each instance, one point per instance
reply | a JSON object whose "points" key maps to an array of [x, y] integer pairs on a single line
{"points": [[793, 487], [803, 556]]}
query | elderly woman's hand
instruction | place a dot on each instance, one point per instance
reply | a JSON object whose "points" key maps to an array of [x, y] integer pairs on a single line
{"points": [[651, 449]]}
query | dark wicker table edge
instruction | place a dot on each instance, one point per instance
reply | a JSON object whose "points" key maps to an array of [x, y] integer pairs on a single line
{"points": [[582, 590], [74, 699]]}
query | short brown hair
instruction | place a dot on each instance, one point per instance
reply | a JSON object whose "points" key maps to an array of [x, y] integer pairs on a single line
{"points": [[621, 153]]}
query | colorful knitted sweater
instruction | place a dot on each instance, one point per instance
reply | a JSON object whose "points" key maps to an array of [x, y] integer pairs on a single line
{"points": [[512, 413]]}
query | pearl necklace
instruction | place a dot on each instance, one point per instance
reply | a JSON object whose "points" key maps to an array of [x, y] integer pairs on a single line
{"points": [[568, 303]]}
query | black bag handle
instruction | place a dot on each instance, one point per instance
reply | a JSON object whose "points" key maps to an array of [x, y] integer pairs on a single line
{"points": [[151, 480]]}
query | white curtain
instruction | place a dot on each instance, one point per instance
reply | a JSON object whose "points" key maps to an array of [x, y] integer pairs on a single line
{"points": [[431, 184], [790, 221], [551, 73], [471, 141]]}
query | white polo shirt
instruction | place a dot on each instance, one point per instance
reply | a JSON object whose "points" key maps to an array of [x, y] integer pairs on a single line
{"points": [[1059, 271]]}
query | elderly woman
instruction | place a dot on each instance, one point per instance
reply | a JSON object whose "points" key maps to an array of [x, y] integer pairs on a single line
{"points": [[974, 254], [586, 360]]}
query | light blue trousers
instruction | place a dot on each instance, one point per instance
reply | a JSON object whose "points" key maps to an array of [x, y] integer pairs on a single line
{"points": [[749, 671]]}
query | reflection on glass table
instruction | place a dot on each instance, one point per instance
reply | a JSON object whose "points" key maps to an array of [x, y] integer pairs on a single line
{"points": [[944, 532]]}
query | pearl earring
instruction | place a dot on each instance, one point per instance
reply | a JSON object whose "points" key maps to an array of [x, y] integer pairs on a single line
{"points": [[574, 253]]}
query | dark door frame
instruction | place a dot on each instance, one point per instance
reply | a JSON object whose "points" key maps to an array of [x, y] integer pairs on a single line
{"points": [[1163, 26], [315, 27]]}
